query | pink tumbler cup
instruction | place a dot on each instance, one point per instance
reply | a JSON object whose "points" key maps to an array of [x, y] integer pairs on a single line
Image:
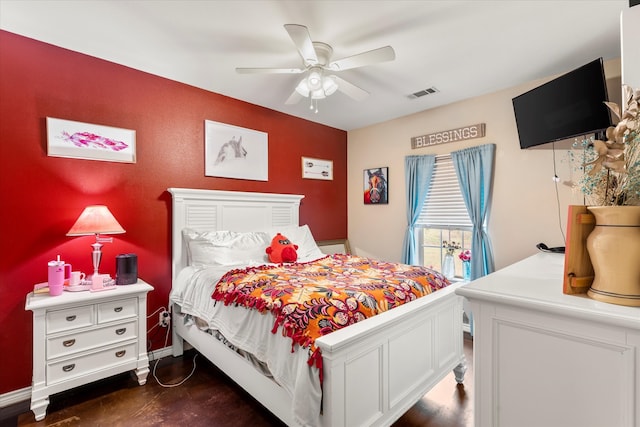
{"points": [[56, 277]]}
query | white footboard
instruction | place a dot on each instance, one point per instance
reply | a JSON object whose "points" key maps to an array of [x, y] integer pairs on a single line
{"points": [[374, 371], [377, 369]]}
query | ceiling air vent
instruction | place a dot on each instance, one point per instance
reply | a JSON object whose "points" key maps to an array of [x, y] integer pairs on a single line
{"points": [[423, 92]]}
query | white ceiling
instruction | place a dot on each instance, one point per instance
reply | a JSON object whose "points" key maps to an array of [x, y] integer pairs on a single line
{"points": [[463, 48]]}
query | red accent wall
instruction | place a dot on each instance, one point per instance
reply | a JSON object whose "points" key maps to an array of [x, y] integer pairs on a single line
{"points": [[42, 196]]}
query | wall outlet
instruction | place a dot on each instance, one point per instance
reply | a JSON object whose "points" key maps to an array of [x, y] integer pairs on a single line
{"points": [[164, 319]]}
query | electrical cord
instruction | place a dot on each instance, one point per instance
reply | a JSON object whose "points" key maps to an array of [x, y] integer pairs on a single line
{"points": [[156, 312], [556, 180], [166, 340], [150, 338], [181, 381], [156, 327], [544, 248]]}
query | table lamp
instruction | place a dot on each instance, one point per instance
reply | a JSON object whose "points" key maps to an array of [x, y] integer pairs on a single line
{"points": [[96, 219]]}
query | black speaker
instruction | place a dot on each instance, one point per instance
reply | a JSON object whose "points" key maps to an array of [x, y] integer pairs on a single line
{"points": [[126, 269]]}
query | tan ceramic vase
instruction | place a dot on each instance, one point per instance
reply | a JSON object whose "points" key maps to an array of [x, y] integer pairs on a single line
{"points": [[614, 249]]}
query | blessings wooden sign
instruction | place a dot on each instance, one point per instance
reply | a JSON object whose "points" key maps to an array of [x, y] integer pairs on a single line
{"points": [[459, 134]]}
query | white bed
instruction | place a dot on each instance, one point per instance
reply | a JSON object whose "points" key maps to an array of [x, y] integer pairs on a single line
{"points": [[422, 336]]}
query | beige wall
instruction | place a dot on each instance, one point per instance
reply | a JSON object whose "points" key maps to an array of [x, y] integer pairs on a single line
{"points": [[524, 210]]}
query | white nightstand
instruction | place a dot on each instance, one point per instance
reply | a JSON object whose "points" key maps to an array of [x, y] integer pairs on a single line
{"points": [[80, 337]]}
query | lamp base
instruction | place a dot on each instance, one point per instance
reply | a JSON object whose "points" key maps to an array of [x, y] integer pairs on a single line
{"points": [[96, 256]]}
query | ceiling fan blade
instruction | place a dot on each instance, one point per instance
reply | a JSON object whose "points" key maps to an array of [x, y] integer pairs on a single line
{"points": [[301, 38], [350, 89], [269, 70], [382, 54], [294, 98]]}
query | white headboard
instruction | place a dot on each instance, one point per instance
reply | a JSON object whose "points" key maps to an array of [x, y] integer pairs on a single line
{"points": [[226, 210]]}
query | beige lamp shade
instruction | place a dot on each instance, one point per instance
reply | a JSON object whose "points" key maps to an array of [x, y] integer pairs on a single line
{"points": [[96, 219]]}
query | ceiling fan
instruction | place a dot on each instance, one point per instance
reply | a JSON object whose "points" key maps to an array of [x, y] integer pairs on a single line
{"points": [[319, 82]]}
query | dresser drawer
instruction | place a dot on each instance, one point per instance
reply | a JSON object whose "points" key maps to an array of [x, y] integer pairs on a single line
{"points": [[71, 318], [116, 310], [76, 342], [86, 364]]}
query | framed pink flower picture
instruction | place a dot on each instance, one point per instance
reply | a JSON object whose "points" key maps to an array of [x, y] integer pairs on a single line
{"points": [[77, 140]]}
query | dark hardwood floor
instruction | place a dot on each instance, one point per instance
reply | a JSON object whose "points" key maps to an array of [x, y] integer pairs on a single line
{"points": [[209, 398]]}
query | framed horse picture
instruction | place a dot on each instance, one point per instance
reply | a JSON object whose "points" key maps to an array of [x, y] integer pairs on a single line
{"points": [[235, 152], [376, 186]]}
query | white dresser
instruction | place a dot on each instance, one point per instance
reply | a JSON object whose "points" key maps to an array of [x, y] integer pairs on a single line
{"points": [[543, 358], [80, 337]]}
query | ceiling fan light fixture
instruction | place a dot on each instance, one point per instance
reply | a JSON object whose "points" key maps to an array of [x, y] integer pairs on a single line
{"points": [[326, 87], [318, 94], [303, 88], [329, 85], [314, 80]]}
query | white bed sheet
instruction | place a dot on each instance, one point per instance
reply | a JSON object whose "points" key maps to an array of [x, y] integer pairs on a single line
{"points": [[250, 331]]}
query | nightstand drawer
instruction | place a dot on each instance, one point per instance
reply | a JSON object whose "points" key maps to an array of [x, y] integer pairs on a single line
{"points": [[79, 341], [116, 310], [84, 365], [71, 318]]}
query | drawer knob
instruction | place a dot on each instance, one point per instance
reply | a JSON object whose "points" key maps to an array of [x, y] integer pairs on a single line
{"points": [[69, 368], [71, 318], [121, 331], [69, 343], [117, 309], [120, 353]]}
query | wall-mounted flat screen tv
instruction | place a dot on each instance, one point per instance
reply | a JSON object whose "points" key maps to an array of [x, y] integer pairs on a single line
{"points": [[565, 107]]}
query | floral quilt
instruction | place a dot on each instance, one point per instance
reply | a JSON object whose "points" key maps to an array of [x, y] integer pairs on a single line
{"points": [[309, 300]]}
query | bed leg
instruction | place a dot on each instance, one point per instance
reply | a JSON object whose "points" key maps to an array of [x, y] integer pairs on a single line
{"points": [[459, 371], [177, 343]]}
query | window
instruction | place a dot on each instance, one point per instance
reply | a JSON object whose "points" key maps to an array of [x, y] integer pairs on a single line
{"points": [[443, 217]]}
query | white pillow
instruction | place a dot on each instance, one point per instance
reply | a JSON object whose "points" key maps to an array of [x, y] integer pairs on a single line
{"points": [[298, 235], [207, 248]]}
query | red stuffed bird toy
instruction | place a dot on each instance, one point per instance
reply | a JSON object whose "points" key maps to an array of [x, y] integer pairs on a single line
{"points": [[282, 250]]}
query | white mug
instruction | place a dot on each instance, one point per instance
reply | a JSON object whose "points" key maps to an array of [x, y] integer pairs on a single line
{"points": [[76, 278]]}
